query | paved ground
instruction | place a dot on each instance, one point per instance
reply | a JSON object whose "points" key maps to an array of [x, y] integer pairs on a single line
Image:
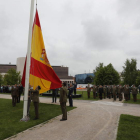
{"points": [[97, 120]]}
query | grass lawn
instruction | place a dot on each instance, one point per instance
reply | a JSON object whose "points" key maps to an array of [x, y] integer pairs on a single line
{"points": [[131, 99], [5, 93], [10, 117], [83, 93], [129, 128]]}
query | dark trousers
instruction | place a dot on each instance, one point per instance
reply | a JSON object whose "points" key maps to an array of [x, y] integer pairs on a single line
{"points": [[100, 96], [64, 110], [120, 96], [28, 107], [36, 105], [129, 96], [114, 96], [74, 91], [18, 98], [14, 100], [54, 96], [126, 97], [109, 95], [70, 100], [94, 95], [88, 94], [134, 97], [104, 95]]}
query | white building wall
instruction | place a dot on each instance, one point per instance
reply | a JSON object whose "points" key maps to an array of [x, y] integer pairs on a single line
{"points": [[20, 64]]}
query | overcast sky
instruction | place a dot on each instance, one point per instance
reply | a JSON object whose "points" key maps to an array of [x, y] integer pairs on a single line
{"points": [[77, 33]]}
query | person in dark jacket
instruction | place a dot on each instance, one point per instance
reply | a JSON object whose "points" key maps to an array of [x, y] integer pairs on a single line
{"points": [[75, 87], [71, 88], [54, 95], [20, 87]]}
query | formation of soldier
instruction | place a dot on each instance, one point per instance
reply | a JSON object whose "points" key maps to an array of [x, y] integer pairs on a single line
{"points": [[113, 91]]}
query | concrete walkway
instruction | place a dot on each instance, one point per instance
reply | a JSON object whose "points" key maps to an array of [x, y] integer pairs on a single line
{"points": [[91, 120]]}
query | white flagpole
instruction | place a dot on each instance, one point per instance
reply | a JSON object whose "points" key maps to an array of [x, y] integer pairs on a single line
{"points": [[25, 118]]}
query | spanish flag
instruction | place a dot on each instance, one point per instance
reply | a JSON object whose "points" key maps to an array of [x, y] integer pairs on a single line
{"points": [[41, 72]]}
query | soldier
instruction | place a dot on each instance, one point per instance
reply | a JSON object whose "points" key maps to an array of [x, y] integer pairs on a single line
{"points": [[126, 92], [104, 91], [88, 90], [63, 100], [75, 86], [35, 99], [94, 91], [29, 99], [120, 89], [134, 93], [100, 92], [114, 93], [109, 91], [71, 88], [20, 92], [14, 94]]}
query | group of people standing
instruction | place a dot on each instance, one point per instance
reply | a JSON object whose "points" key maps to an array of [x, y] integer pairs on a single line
{"points": [[113, 91], [71, 88], [33, 95], [16, 91], [64, 94], [5, 88]]}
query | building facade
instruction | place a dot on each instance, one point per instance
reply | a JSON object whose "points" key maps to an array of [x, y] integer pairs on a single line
{"points": [[61, 72]]}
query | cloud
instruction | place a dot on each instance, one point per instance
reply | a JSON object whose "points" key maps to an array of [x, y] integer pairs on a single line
{"points": [[77, 33], [98, 33]]}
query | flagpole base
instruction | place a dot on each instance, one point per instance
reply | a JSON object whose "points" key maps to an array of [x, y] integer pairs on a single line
{"points": [[25, 119]]}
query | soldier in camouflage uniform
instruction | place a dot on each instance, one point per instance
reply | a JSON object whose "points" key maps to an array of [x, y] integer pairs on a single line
{"points": [[114, 92], [104, 91], [109, 91], [126, 92], [120, 90], [134, 93], [63, 100], [94, 91]]}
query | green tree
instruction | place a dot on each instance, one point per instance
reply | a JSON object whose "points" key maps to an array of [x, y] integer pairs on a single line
{"points": [[138, 79], [130, 71], [12, 77], [106, 75], [97, 73]]}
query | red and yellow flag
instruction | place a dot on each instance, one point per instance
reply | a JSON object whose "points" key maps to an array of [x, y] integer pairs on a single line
{"points": [[41, 72]]}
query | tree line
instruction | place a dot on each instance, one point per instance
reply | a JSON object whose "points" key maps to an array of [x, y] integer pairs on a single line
{"points": [[104, 75], [10, 78], [107, 75]]}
